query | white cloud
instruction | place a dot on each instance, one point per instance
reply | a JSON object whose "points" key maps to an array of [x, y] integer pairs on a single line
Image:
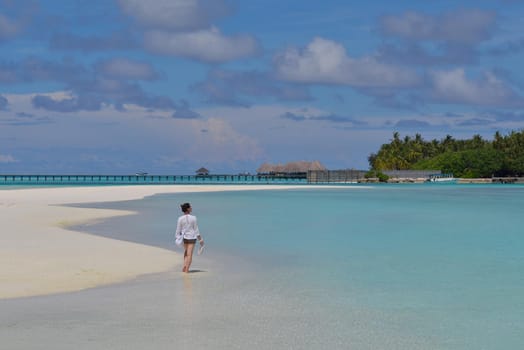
{"points": [[7, 158], [175, 14], [184, 28], [208, 45], [326, 62], [453, 86]]}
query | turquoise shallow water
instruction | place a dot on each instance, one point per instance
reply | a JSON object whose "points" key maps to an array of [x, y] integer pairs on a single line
{"points": [[393, 266]]}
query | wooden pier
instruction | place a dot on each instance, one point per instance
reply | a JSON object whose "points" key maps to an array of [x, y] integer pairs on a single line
{"points": [[14, 179], [335, 176]]}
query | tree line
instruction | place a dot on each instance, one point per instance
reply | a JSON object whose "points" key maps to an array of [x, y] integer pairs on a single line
{"points": [[471, 158]]}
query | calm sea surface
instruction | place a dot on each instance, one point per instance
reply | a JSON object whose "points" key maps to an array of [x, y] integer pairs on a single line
{"points": [[427, 266]]}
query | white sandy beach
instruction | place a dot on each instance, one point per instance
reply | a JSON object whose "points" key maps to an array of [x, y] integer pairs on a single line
{"points": [[39, 255]]}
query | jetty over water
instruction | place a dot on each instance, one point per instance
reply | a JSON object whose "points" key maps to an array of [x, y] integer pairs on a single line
{"points": [[311, 177], [139, 179], [335, 176]]}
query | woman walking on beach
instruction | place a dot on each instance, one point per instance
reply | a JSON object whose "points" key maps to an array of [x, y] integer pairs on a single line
{"points": [[187, 226]]}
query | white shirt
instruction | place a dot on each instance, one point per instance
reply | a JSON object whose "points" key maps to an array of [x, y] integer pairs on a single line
{"points": [[187, 225]]}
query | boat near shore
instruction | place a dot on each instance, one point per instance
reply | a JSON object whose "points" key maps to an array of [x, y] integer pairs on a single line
{"points": [[441, 178]]}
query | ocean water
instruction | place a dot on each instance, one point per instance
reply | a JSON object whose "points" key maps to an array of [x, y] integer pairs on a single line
{"points": [[429, 266]]}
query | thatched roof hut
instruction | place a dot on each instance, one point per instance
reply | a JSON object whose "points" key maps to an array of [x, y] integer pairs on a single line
{"points": [[290, 167], [202, 171], [265, 168]]}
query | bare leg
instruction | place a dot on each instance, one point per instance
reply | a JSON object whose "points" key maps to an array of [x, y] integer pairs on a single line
{"points": [[188, 256], [185, 254]]}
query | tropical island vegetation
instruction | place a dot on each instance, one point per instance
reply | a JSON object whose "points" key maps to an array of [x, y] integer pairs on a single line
{"points": [[471, 158]]}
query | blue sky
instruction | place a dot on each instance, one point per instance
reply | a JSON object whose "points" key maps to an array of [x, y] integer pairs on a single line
{"points": [[168, 86]]}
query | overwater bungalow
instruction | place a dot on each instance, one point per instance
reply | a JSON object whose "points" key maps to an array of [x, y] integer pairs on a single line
{"points": [[202, 172]]}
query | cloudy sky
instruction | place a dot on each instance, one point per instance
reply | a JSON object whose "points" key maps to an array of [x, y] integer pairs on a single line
{"points": [[168, 86]]}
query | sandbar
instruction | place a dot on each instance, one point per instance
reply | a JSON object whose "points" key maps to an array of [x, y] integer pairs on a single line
{"points": [[40, 255]]}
